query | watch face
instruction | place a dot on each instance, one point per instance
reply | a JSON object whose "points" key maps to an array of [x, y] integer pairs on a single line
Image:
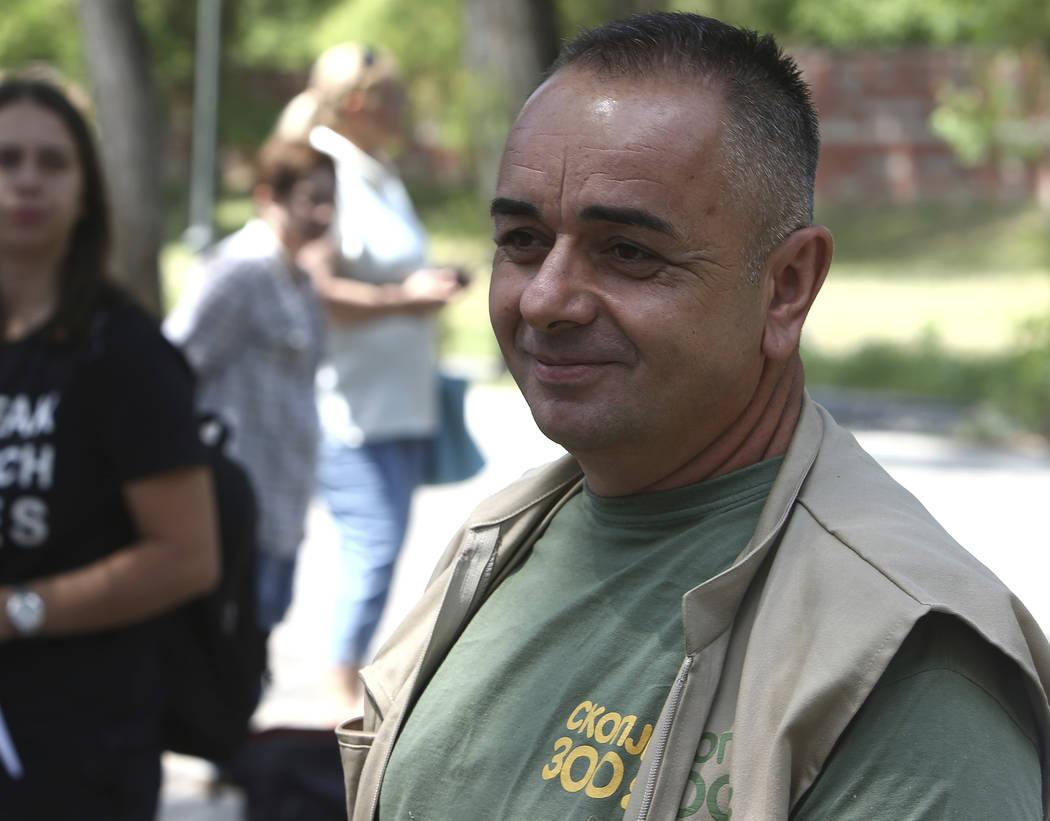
{"points": [[25, 611]]}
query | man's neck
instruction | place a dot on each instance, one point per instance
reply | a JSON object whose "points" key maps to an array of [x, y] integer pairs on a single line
{"points": [[288, 242], [761, 431]]}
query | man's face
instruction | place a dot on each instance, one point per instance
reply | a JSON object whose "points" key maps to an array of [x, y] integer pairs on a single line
{"points": [[311, 204], [618, 296]]}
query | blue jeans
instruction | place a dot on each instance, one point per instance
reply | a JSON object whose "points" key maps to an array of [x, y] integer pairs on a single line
{"points": [[274, 580], [368, 490]]}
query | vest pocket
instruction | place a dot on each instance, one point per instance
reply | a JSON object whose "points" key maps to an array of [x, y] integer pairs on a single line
{"points": [[354, 744]]}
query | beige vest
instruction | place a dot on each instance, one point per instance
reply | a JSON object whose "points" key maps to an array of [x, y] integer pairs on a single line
{"points": [[782, 648]]}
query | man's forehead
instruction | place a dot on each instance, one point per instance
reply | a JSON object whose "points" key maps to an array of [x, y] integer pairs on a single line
{"points": [[589, 112], [595, 141], [572, 87]]}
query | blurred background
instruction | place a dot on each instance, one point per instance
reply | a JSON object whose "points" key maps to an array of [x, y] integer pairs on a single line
{"points": [[934, 176]]}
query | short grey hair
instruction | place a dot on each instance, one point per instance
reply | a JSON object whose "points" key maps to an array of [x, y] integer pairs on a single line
{"points": [[772, 138]]}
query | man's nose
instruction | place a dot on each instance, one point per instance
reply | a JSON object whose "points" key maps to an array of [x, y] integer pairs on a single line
{"points": [[560, 293]]}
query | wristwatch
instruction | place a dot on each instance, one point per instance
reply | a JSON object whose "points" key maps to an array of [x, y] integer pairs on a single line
{"points": [[25, 611]]}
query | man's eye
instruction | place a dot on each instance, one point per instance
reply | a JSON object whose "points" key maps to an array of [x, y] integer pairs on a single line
{"points": [[629, 253], [516, 239], [520, 243]]}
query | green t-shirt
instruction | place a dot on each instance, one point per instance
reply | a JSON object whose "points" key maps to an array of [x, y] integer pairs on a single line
{"points": [[545, 703], [544, 706]]}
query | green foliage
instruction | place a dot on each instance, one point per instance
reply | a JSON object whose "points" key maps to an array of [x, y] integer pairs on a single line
{"points": [[274, 34], [862, 23], [170, 28], [1004, 110], [761, 15], [925, 369], [846, 23], [1024, 385], [33, 30], [260, 35], [576, 15], [964, 122]]}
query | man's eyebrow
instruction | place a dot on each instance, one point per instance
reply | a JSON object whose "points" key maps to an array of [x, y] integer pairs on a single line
{"points": [[593, 213], [513, 208], [628, 216]]}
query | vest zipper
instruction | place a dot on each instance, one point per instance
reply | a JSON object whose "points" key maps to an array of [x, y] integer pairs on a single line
{"points": [[487, 539], [673, 699]]}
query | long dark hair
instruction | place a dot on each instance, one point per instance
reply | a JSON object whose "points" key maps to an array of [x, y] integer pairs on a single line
{"points": [[83, 280]]}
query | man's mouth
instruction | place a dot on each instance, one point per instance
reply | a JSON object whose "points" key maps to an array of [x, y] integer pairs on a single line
{"points": [[564, 369]]}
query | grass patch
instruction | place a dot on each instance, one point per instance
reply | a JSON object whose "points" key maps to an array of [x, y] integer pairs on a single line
{"points": [[975, 314], [942, 302]]}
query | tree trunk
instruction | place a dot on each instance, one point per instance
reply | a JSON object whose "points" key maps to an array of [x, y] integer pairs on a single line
{"points": [[118, 64], [509, 45]]}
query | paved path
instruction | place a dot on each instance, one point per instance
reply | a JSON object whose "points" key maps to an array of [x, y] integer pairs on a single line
{"points": [[990, 500]]}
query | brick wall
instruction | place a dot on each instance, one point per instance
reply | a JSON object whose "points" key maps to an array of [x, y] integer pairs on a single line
{"points": [[876, 143]]}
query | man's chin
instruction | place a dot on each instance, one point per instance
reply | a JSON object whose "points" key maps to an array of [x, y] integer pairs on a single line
{"points": [[575, 430]]}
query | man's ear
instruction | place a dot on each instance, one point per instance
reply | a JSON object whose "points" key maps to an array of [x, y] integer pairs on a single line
{"points": [[262, 194], [795, 270]]}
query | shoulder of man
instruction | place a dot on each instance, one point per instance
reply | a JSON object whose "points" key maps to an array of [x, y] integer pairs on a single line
{"points": [[852, 497]]}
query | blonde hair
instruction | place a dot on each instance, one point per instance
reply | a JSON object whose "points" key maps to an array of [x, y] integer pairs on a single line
{"points": [[298, 117], [345, 68]]}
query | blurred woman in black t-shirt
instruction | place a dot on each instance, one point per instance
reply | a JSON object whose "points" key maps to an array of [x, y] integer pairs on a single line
{"points": [[106, 511]]}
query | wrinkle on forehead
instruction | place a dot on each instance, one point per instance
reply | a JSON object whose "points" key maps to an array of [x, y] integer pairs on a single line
{"points": [[522, 155], [525, 167], [556, 133]]}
